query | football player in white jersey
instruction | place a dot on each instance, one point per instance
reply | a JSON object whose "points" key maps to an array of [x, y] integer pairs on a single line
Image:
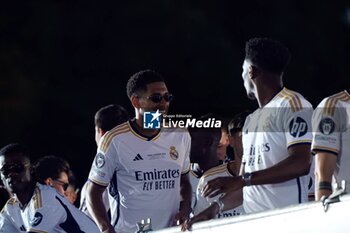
{"points": [[204, 152], [232, 169], [276, 137], [331, 143], [106, 118], [196, 171], [35, 207], [151, 164]]}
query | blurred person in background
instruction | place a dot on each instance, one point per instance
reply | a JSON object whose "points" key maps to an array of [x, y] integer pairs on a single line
{"points": [[106, 118], [35, 207]]}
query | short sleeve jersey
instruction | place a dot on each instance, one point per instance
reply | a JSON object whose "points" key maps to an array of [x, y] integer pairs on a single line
{"points": [[47, 212], [331, 127], [203, 203], [267, 134], [145, 171]]}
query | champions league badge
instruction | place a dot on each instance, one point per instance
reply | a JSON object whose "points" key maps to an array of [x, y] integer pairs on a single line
{"points": [[173, 153], [100, 160], [36, 220], [327, 126]]}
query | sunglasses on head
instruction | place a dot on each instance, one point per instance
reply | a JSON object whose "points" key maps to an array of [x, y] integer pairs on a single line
{"points": [[63, 184], [157, 98], [13, 168]]}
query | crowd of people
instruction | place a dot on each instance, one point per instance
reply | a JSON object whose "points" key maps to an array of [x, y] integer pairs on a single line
{"points": [[182, 176]]}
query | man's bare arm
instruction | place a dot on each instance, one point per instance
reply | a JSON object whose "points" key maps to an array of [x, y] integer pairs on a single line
{"points": [[295, 165], [324, 169], [186, 197], [230, 200], [96, 207]]}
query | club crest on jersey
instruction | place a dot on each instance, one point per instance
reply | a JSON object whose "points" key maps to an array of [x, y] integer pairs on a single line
{"points": [[36, 220], [297, 127], [173, 153], [100, 160], [267, 123], [327, 126]]}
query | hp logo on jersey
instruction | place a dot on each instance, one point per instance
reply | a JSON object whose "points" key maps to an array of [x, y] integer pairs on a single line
{"points": [[151, 120], [297, 127]]}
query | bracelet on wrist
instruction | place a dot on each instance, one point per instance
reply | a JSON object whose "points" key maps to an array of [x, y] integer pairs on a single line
{"points": [[247, 177], [220, 205]]}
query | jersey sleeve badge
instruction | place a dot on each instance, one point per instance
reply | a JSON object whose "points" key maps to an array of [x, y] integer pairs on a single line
{"points": [[100, 160], [326, 126]]}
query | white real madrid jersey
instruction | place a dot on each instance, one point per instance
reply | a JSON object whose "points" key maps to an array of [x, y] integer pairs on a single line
{"points": [[203, 203], [46, 212], [267, 134], [331, 126], [146, 173]]}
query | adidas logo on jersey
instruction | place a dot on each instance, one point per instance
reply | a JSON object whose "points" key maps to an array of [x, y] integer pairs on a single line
{"points": [[137, 157]]}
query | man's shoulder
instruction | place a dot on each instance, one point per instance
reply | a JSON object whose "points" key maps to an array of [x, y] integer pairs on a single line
{"points": [[293, 100], [180, 132], [178, 136], [334, 106], [44, 195], [215, 171], [11, 203], [116, 133], [334, 100]]}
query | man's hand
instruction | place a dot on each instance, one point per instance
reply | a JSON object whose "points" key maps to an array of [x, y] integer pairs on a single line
{"points": [[96, 207], [185, 203], [222, 185], [181, 217], [208, 213]]}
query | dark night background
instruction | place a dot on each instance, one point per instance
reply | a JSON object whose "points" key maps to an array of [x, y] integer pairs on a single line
{"points": [[61, 61]]}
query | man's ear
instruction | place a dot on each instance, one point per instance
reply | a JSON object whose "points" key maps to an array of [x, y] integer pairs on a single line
{"points": [[48, 181], [135, 101], [253, 71], [100, 131]]}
